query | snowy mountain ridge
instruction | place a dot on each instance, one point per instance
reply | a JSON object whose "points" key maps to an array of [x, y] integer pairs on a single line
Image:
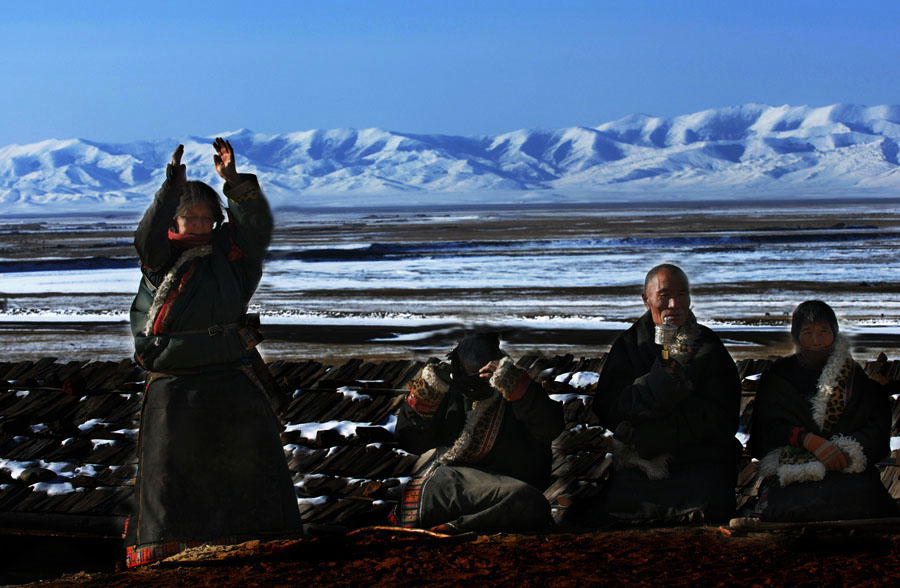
{"points": [[798, 151]]}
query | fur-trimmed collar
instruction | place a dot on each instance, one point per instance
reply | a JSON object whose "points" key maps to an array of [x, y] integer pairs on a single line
{"points": [[479, 432], [162, 292], [828, 380]]}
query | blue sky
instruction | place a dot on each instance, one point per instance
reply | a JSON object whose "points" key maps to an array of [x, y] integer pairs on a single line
{"points": [[126, 71]]}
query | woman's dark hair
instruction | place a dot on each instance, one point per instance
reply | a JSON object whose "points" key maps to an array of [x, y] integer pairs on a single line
{"points": [[198, 193], [812, 311], [474, 351]]}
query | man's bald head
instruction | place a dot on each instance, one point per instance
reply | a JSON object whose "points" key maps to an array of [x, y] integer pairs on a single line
{"points": [[669, 267], [667, 294]]}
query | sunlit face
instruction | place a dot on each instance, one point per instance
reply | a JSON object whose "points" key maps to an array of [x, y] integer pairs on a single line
{"points": [[197, 220], [668, 295], [815, 336]]}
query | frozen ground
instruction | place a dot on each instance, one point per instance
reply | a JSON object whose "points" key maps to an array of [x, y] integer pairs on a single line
{"points": [[389, 282]]}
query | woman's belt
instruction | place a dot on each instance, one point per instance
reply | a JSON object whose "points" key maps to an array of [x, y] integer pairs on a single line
{"points": [[247, 329]]}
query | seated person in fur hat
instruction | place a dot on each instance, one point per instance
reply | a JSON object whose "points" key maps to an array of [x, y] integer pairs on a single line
{"points": [[674, 419], [484, 431], [819, 427]]}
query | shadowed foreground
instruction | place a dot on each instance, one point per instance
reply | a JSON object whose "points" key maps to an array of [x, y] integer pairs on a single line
{"points": [[688, 556]]}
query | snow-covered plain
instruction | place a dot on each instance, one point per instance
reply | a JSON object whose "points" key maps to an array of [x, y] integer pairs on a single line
{"points": [[836, 150], [505, 282]]}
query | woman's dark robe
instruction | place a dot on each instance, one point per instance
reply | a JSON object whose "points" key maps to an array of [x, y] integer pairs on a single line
{"points": [[211, 465], [785, 409]]}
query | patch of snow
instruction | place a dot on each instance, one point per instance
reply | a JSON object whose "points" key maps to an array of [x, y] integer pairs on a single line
{"points": [[580, 379], [742, 437], [54, 488], [389, 423], [318, 500], [90, 424], [15, 468], [353, 393], [89, 470], [564, 398], [309, 430], [102, 442], [23, 393], [58, 467]]}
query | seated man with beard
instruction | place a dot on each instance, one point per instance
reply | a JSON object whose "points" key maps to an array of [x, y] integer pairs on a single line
{"points": [[484, 431], [675, 453]]}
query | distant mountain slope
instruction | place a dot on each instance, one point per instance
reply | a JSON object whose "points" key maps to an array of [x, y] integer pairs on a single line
{"points": [[785, 150]]}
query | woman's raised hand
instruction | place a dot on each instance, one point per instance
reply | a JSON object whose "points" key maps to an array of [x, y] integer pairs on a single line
{"points": [[224, 160], [177, 170]]}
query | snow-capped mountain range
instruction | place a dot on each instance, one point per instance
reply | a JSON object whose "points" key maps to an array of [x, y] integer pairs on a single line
{"points": [[754, 149]]}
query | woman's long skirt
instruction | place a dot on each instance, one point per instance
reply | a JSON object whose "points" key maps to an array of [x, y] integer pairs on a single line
{"points": [[211, 466]]}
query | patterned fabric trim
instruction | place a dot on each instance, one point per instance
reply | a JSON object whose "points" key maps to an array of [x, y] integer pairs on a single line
{"points": [[479, 433], [248, 189], [138, 555], [491, 437], [422, 398], [406, 513]]}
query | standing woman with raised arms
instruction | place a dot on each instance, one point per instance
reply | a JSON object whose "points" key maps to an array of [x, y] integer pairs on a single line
{"points": [[211, 466]]}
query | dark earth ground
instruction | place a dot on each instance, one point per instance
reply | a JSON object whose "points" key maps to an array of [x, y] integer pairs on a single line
{"points": [[688, 556]]}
